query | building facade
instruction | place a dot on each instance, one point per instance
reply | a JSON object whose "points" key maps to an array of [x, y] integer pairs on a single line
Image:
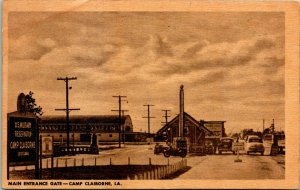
{"points": [[194, 132], [106, 127]]}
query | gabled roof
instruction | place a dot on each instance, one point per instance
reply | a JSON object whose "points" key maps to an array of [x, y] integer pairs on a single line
{"points": [[187, 116], [84, 119]]}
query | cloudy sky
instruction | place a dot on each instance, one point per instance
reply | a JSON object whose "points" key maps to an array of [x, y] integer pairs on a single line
{"points": [[231, 64]]}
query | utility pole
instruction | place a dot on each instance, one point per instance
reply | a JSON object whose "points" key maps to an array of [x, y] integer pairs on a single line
{"points": [[166, 116], [148, 117], [119, 110], [67, 109], [123, 129]]}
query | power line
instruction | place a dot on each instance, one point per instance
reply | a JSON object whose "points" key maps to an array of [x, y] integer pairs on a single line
{"points": [[67, 109], [119, 110], [148, 117]]}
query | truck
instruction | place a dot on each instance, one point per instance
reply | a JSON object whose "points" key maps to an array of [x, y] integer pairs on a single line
{"points": [[217, 132], [274, 143]]}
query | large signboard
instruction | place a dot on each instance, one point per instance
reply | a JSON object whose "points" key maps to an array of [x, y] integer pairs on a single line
{"points": [[215, 128], [22, 140]]}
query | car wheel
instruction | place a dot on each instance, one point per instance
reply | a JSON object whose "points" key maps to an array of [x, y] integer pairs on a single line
{"points": [[183, 153], [262, 153], [167, 153], [248, 152], [220, 152]]}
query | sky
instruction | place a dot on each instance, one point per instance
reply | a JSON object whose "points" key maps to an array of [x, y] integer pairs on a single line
{"points": [[231, 64]]}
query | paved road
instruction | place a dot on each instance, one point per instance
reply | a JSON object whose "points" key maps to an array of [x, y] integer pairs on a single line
{"points": [[224, 167], [202, 167]]}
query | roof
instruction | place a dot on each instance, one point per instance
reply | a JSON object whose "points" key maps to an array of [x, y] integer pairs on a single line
{"points": [[189, 117], [205, 122], [84, 119]]}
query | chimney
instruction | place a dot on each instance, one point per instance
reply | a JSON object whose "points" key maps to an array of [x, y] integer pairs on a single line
{"points": [[181, 111]]}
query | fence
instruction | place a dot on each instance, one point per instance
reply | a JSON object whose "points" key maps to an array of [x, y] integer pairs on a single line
{"points": [[160, 172]]}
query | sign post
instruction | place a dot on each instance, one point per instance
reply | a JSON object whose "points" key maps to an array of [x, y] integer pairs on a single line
{"points": [[22, 137], [22, 141], [237, 146]]}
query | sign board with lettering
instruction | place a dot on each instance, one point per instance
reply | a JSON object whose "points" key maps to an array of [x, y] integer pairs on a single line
{"points": [[237, 146], [22, 139], [47, 145], [215, 128]]}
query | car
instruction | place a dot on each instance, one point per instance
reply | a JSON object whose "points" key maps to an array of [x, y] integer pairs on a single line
{"points": [[225, 145], [254, 144], [274, 143], [159, 148], [209, 148]]}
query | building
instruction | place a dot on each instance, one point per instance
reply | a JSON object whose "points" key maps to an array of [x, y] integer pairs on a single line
{"points": [[106, 127], [216, 127], [192, 130]]}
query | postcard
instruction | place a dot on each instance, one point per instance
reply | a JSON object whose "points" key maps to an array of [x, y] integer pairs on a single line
{"points": [[150, 94]]}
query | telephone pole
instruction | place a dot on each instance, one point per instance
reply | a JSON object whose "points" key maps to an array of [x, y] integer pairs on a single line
{"points": [[273, 126], [263, 126], [166, 116], [123, 129], [119, 110], [67, 109], [148, 117]]}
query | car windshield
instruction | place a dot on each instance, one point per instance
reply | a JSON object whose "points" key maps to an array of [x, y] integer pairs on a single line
{"points": [[255, 140]]}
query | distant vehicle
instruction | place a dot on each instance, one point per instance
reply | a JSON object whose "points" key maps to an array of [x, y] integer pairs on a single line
{"points": [[179, 148], [209, 148], [254, 144], [274, 143], [159, 148], [225, 145], [281, 142]]}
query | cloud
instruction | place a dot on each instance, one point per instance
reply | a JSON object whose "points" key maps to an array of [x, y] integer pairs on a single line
{"points": [[232, 64], [27, 47], [206, 55], [209, 78]]}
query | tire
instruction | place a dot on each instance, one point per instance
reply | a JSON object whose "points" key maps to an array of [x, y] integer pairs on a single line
{"points": [[167, 153], [220, 152], [262, 153], [183, 153], [248, 152]]}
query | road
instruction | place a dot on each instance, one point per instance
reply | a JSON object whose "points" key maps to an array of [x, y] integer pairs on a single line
{"points": [[224, 167], [201, 167]]}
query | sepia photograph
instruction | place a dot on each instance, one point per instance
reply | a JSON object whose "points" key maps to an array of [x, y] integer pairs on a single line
{"points": [[105, 98]]}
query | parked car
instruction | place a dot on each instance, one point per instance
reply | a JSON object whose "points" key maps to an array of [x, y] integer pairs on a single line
{"points": [[209, 148], [274, 143], [225, 145], [254, 144], [159, 148]]}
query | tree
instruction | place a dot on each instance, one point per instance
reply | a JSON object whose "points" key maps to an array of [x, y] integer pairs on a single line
{"points": [[246, 132], [31, 106]]}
